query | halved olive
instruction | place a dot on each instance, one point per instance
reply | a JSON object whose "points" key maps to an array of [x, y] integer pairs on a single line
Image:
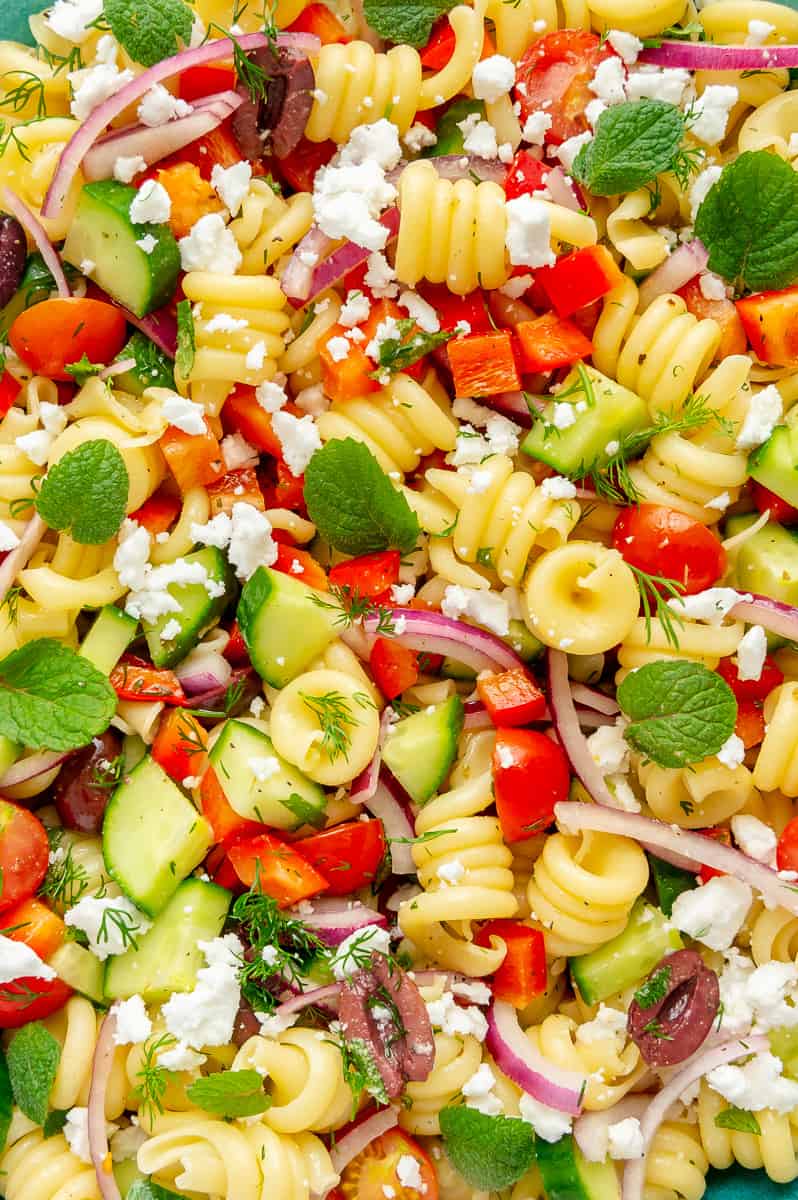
{"points": [[13, 255], [674, 1009]]}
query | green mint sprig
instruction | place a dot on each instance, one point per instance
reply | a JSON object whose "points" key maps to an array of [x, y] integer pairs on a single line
{"points": [[230, 1094], [153, 367], [399, 353], [86, 492], [83, 369], [738, 1119], [150, 30], [680, 712], [634, 142], [410, 22], [33, 1058], [491, 1153]]}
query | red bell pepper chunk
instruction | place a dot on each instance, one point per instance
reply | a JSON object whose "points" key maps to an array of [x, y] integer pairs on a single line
{"points": [[579, 278], [195, 459], [9, 390], [523, 973], [530, 775], [159, 513], [550, 342], [195, 82], [484, 364], [779, 509], [299, 168], [718, 834], [301, 565], [287, 491], [243, 414], [454, 310], [787, 848], [347, 855], [770, 320], [133, 679], [511, 697], [321, 22], [369, 575], [236, 651], [181, 745], [223, 819], [441, 46], [395, 668], [751, 689], [280, 870], [526, 175], [750, 723]]}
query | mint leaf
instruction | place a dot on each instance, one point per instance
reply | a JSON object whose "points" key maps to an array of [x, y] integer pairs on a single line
{"points": [[145, 1189], [83, 369], [681, 712], [51, 698], [6, 1100], [230, 1094], [86, 492], [353, 502], [55, 1122], [655, 987], [738, 1119], [186, 341], [397, 354], [633, 143], [411, 21], [150, 30], [491, 1153], [749, 222], [33, 1058], [153, 367]]}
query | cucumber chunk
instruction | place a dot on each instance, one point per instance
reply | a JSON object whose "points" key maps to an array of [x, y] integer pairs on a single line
{"points": [[419, 751], [153, 368], [768, 564], [102, 232], [612, 413], [784, 1044], [670, 882], [152, 836], [108, 638], [567, 1175], [622, 962], [284, 624], [198, 609], [286, 800], [78, 967], [774, 464], [168, 957]]}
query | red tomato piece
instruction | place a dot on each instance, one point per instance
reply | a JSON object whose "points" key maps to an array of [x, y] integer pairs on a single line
{"points": [[243, 414], [321, 22], [195, 82], [557, 69], [717, 834], [36, 925], [767, 501], [236, 649], [302, 565], [511, 697], [133, 679], [663, 541], [9, 390], [236, 487], [579, 278], [770, 320], [181, 745], [369, 575], [24, 853], [733, 340], [51, 335], [750, 723], [751, 689], [395, 668], [375, 1168], [159, 513], [281, 871], [287, 491], [523, 973], [530, 775], [526, 175], [31, 999], [300, 167], [195, 459], [453, 309], [348, 856], [787, 848]]}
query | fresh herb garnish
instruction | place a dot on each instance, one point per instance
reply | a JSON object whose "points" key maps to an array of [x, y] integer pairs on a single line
{"points": [[335, 717], [738, 1119], [634, 142], [657, 1030], [355, 607], [86, 492], [83, 369], [680, 712], [153, 367], [230, 1094], [125, 924], [149, 30], [292, 947], [66, 880], [491, 1153], [655, 590], [28, 89], [11, 602], [153, 1078], [654, 988], [399, 353], [33, 1058], [55, 1122], [360, 1070], [410, 22], [186, 340]]}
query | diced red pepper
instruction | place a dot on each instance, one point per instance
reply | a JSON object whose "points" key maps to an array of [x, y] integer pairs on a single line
{"points": [[523, 973], [770, 320], [280, 870], [195, 82], [300, 167], [395, 668], [750, 723], [511, 697], [530, 775], [133, 679], [579, 278], [779, 509], [181, 745], [223, 819], [369, 575], [751, 689], [236, 651], [287, 491], [159, 513], [550, 342], [321, 22], [441, 46], [526, 175], [484, 364], [31, 999], [301, 565], [718, 834], [195, 460], [9, 390], [454, 310], [236, 487], [243, 414], [347, 855]]}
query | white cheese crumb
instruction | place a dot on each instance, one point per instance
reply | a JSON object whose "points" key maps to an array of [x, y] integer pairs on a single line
{"points": [[752, 651], [151, 205], [713, 913], [493, 77], [231, 184]]}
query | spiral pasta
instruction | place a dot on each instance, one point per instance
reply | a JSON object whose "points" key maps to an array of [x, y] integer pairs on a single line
{"points": [[28, 164], [777, 764], [647, 641], [456, 1060], [306, 1080], [75, 1028], [39, 1168], [643, 247], [676, 1164], [581, 597], [269, 226], [697, 797], [612, 1064], [775, 1148], [774, 935]]}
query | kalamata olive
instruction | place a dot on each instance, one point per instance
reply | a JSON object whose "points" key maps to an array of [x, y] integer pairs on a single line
{"points": [[86, 781], [246, 1024], [282, 115], [673, 1011], [13, 253]]}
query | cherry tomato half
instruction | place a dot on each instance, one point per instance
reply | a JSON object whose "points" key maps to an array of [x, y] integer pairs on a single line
{"points": [[55, 333], [31, 999], [348, 856], [374, 1170], [557, 69], [530, 776], [24, 853], [787, 848], [663, 541], [751, 689]]}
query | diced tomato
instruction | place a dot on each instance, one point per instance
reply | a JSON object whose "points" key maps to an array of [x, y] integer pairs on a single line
{"points": [[557, 69], [243, 414], [526, 175], [321, 22], [223, 819], [750, 723], [195, 459], [9, 390], [31, 999], [133, 679], [751, 689], [36, 925], [663, 541], [733, 339], [452, 310], [181, 745], [770, 320], [300, 167], [53, 334], [301, 565], [718, 834], [280, 869], [370, 575], [219, 147], [483, 364], [522, 974], [287, 491], [376, 1168], [787, 848], [395, 668], [236, 651], [159, 513], [579, 278], [530, 776], [511, 697], [195, 82], [217, 864], [549, 342], [236, 487], [779, 509], [348, 856], [24, 854]]}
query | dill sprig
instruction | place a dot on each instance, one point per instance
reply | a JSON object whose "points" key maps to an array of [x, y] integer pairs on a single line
{"points": [[359, 1069], [29, 89], [291, 947], [124, 922], [72, 61], [677, 33], [154, 1079], [232, 696], [9, 134], [355, 607], [250, 73], [335, 716], [108, 772], [17, 508], [654, 603], [11, 602], [66, 880]]}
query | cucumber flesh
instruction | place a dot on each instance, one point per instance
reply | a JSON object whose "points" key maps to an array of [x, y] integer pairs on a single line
{"points": [[152, 836], [167, 957], [775, 463], [286, 800], [784, 1044], [198, 609], [768, 564], [108, 638], [419, 751], [78, 967], [625, 960], [102, 232], [670, 882], [567, 1175], [284, 624]]}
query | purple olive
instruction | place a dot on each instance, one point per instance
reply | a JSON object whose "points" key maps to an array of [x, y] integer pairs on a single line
{"points": [[674, 1010], [282, 115], [246, 1024], [13, 254], [86, 781]]}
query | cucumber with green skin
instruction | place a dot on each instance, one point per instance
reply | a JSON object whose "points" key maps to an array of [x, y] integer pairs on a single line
{"points": [[448, 132], [109, 637], [287, 799], [199, 610], [419, 750], [78, 968], [670, 882], [153, 368], [627, 958], [285, 624], [567, 1175]]}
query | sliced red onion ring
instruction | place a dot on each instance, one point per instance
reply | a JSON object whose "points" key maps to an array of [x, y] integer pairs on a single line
{"points": [[706, 56], [240, 678], [334, 920], [433, 633], [695, 1068], [355, 1140], [512, 405], [566, 722], [561, 190], [540, 1077], [32, 767], [160, 325], [343, 260], [459, 166], [37, 232], [574, 817], [677, 270], [591, 1130], [297, 278], [364, 787], [323, 997], [203, 670], [772, 615], [152, 143], [81, 142], [397, 825], [476, 716], [118, 368], [592, 698], [17, 559], [98, 1139]]}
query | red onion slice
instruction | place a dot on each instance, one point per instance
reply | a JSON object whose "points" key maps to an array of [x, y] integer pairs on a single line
{"points": [[81, 142], [32, 767], [39, 236], [592, 698], [510, 404], [561, 190], [153, 143], [323, 997], [677, 270], [574, 817], [117, 368], [203, 670], [397, 825], [695, 1068], [541, 1078], [98, 1139], [297, 278], [433, 633], [364, 787], [17, 559], [327, 274], [706, 56], [355, 1140], [772, 615], [566, 722], [334, 920]]}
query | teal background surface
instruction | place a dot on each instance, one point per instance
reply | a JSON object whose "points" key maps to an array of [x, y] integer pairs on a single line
{"points": [[14, 19]]}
